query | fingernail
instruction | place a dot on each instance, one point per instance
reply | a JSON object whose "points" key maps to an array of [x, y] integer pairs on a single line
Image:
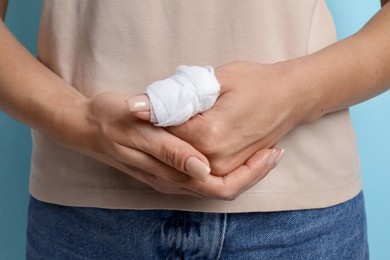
{"points": [[138, 103], [197, 169], [280, 157], [144, 115], [272, 157]]}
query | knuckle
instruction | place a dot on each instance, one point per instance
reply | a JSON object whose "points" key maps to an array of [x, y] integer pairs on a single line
{"points": [[212, 139], [227, 194], [220, 167], [169, 153], [225, 163]]}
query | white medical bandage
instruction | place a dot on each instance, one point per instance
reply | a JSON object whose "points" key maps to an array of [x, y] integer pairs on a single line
{"points": [[174, 100]]}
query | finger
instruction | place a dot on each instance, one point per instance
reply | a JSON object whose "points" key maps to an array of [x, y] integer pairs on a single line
{"points": [[204, 125], [144, 115], [171, 150], [181, 155], [193, 130], [257, 168], [158, 175], [140, 106], [154, 173], [254, 170], [233, 184]]}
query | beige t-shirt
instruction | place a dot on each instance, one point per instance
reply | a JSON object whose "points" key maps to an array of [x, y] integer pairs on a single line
{"points": [[107, 45]]}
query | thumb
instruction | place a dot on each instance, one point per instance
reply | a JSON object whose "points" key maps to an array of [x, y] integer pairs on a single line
{"points": [[182, 156]]}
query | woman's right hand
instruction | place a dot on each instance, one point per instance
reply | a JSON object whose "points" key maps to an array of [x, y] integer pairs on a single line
{"points": [[109, 132]]}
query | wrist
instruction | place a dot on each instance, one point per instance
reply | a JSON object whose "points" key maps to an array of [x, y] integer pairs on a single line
{"points": [[65, 119], [301, 90]]}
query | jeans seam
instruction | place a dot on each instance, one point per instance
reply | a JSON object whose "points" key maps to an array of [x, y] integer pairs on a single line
{"points": [[175, 236], [222, 240], [182, 236]]}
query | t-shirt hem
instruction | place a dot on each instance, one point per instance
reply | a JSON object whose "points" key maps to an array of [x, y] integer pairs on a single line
{"points": [[250, 201]]}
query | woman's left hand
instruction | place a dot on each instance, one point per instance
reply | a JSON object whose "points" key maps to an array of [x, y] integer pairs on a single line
{"points": [[258, 105]]}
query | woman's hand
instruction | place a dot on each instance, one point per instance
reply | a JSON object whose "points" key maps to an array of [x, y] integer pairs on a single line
{"points": [[113, 135], [258, 105]]}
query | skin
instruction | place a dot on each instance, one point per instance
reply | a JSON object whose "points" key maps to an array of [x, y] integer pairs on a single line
{"points": [[3, 8], [34, 95]]}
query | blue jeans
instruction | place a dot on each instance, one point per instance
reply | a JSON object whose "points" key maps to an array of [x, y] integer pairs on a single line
{"points": [[59, 232]]}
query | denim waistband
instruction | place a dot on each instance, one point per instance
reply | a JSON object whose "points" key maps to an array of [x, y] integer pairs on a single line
{"points": [[61, 232]]}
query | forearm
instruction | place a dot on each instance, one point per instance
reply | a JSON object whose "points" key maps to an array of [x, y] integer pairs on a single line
{"points": [[3, 8], [346, 73], [31, 93]]}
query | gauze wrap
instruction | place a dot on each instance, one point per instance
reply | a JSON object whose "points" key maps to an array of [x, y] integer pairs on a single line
{"points": [[174, 100]]}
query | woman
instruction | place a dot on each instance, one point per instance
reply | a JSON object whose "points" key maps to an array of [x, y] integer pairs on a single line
{"points": [[297, 101]]}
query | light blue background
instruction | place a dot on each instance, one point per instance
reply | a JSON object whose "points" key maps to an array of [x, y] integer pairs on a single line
{"points": [[371, 120]]}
